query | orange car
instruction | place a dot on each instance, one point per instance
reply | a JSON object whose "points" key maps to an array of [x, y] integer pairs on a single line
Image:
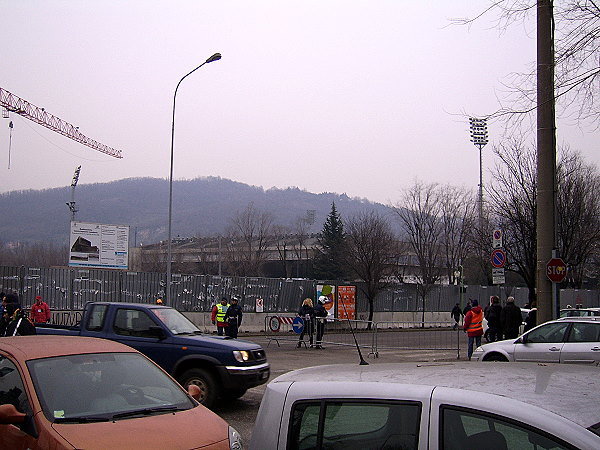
{"points": [[69, 392]]}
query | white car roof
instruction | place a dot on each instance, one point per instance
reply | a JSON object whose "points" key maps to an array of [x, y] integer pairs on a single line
{"points": [[571, 391]]}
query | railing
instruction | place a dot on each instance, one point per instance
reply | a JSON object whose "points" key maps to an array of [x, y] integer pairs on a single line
{"points": [[418, 335]]}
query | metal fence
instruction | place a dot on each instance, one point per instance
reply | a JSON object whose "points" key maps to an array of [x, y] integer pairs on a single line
{"points": [[69, 289]]}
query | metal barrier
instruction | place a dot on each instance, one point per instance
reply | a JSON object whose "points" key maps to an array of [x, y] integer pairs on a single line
{"points": [[337, 332], [417, 335]]}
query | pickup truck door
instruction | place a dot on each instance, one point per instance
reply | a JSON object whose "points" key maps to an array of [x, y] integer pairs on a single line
{"points": [[132, 327]]}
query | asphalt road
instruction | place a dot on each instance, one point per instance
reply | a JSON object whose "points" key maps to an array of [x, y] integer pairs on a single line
{"points": [[241, 413]]}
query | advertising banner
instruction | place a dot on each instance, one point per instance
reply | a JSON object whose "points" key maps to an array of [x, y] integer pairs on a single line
{"points": [[327, 291], [347, 302], [99, 245]]}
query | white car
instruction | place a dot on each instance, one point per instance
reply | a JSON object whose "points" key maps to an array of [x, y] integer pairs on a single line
{"points": [[566, 340], [451, 406]]}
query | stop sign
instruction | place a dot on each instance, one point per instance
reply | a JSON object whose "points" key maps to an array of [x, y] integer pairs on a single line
{"points": [[556, 270]]}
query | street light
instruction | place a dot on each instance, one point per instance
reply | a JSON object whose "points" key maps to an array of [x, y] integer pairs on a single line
{"points": [[214, 57], [479, 137]]}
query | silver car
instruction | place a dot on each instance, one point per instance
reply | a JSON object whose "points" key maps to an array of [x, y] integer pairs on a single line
{"points": [[446, 405], [566, 340]]}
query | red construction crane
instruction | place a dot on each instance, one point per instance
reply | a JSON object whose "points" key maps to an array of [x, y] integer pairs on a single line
{"points": [[17, 105]]}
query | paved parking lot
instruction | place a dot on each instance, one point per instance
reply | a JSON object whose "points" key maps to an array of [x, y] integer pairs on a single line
{"points": [[241, 413]]}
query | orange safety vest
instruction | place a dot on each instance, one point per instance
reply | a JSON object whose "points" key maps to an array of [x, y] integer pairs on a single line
{"points": [[476, 322]]}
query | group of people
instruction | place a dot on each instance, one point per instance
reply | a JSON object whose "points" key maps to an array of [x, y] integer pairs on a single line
{"points": [[503, 322], [227, 317], [15, 322], [314, 318]]}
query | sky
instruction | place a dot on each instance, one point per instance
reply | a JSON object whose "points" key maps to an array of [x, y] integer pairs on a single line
{"points": [[354, 97]]}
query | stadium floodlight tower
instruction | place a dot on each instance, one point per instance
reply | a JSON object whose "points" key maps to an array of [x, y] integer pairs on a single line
{"points": [[72, 206], [479, 137]]}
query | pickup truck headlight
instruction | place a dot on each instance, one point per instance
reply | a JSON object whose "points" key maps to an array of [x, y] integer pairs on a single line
{"points": [[241, 355], [235, 440]]}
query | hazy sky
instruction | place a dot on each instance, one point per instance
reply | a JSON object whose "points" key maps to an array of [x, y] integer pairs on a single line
{"points": [[355, 97]]}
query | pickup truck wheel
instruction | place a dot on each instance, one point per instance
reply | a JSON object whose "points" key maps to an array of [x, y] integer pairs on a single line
{"points": [[232, 394], [205, 381]]}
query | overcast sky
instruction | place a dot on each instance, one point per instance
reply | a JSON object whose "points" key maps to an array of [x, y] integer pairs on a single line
{"points": [[355, 97]]}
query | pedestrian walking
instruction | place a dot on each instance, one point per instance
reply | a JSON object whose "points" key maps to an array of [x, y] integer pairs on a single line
{"points": [[473, 326], [320, 319], [531, 319], [233, 317], [492, 315], [40, 311], [510, 319], [467, 307], [456, 314], [307, 312], [217, 316]]}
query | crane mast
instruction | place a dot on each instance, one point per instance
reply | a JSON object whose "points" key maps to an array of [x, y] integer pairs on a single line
{"points": [[17, 105]]}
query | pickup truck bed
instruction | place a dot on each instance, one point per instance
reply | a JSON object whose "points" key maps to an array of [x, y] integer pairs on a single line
{"points": [[221, 367]]}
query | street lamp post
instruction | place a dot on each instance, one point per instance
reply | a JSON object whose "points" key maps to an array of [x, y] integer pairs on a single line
{"points": [[214, 57]]}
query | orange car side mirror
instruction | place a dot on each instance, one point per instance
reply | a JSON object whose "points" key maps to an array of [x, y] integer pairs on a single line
{"points": [[194, 391], [10, 415]]}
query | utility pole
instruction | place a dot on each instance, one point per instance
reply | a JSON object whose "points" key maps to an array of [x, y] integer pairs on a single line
{"points": [[546, 160]]}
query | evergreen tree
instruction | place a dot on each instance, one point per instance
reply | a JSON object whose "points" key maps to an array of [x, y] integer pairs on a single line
{"points": [[328, 263]]}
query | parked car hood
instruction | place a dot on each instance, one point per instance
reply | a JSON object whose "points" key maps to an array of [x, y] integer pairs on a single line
{"points": [[184, 430]]}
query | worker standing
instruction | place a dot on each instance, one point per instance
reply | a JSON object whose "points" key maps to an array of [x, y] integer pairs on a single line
{"points": [[307, 313], [233, 317], [320, 317], [218, 316], [40, 311]]}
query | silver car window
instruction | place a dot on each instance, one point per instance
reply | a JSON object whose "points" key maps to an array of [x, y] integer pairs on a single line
{"points": [[584, 332], [551, 332]]}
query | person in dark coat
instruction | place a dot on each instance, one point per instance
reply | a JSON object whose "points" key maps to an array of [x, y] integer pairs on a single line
{"points": [[18, 324], [492, 315], [510, 319], [456, 313], [307, 312], [531, 319], [467, 308], [320, 314], [233, 317]]}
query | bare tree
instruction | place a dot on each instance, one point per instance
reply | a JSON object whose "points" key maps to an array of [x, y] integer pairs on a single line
{"points": [[512, 195], [457, 216], [419, 213], [44, 254], [576, 53], [301, 234], [370, 244], [578, 207], [249, 237], [283, 243]]}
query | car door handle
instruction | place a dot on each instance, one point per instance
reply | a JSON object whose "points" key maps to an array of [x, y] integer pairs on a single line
{"points": [[596, 349], [554, 349]]}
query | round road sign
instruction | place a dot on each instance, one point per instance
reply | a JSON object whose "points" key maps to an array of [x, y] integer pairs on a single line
{"points": [[556, 270], [498, 258], [298, 325]]}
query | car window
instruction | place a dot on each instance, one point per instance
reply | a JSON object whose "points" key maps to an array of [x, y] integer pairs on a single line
{"points": [[584, 332], [12, 390], [102, 385], [96, 317], [551, 332], [465, 428], [133, 322], [351, 424]]}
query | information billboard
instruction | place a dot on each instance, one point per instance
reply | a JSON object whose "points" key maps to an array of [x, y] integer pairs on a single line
{"points": [[99, 245]]}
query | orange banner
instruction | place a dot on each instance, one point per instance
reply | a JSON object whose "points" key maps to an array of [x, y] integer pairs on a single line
{"points": [[347, 302]]}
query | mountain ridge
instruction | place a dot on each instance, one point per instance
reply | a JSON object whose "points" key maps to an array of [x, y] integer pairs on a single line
{"points": [[201, 207]]}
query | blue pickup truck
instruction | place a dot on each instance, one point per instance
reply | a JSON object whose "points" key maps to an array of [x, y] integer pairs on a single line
{"points": [[220, 367]]}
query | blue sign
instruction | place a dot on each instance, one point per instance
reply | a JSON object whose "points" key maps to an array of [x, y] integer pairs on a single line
{"points": [[298, 325]]}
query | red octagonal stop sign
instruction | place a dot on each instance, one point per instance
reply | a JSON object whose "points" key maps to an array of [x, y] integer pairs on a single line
{"points": [[556, 270]]}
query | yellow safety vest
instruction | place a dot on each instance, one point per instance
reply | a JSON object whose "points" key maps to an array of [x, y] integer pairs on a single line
{"points": [[221, 310]]}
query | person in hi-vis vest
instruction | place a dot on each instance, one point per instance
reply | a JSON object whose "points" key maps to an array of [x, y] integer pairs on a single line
{"points": [[218, 316]]}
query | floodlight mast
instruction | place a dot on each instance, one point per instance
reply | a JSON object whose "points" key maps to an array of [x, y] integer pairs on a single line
{"points": [[71, 204], [479, 137]]}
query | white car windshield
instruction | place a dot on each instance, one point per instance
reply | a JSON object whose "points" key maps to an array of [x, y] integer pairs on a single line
{"points": [[104, 386]]}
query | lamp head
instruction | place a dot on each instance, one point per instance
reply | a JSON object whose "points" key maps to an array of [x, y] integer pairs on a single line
{"points": [[214, 57]]}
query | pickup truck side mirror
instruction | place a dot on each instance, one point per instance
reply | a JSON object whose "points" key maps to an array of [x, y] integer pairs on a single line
{"points": [[10, 415], [157, 332]]}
